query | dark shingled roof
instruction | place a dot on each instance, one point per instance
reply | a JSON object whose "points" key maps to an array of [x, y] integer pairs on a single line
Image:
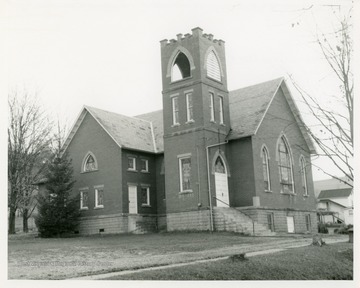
{"points": [[248, 105], [128, 132], [335, 193], [145, 132]]}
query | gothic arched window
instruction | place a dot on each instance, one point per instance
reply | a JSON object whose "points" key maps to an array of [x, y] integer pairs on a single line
{"points": [[303, 175], [219, 166], [285, 166], [213, 66], [266, 170], [90, 163]]}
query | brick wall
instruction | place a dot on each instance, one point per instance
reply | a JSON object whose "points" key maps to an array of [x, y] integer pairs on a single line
{"points": [[91, 137], [279, 119]]}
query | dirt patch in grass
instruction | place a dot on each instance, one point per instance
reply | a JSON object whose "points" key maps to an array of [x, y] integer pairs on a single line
{"points": [[330, 262]]}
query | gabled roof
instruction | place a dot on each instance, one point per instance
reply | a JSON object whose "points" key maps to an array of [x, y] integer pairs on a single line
{"points": [[248, 107], [127, 132], [335, 193]]}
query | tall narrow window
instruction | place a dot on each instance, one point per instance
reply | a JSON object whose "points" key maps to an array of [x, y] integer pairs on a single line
{"points": [[145, 196], [270, 220], [175, 110], [285, 167], [185, 174], [303, 176], [212, 107], [189, 108], [221, 109], [213, 66], [308, 222], [84, 196], [266, 170], [99, 197]]}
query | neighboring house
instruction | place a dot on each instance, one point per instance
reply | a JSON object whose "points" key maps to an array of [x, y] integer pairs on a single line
{"points": [[210, 160], [328, 184], [336, 205]]}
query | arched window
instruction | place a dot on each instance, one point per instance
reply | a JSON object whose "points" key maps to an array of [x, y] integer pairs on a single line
{"points": [[213, 66], [181, 68], [303, 175], [90, 163], [285, 166], [219, 166], [266, 170]]}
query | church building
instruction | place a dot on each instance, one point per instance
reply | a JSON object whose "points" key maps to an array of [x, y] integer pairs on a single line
{"points": [[211, 159]]}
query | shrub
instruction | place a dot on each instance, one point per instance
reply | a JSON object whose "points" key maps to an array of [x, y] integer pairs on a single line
{"points": [[322, 228]]}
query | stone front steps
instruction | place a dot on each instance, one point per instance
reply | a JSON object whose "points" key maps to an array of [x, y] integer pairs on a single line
{"points": [[232, 220]]}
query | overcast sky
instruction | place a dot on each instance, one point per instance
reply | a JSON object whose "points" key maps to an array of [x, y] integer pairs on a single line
{"points": [[106, 53]]}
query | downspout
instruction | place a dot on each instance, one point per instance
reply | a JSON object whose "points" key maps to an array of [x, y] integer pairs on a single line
{"points": [[209, 182]]}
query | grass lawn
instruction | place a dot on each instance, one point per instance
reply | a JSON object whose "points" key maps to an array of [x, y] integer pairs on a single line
{"points": [[63, 258], [330, 262]]}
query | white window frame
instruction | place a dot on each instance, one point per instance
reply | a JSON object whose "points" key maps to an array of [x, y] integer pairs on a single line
{"points": [[290, 167], [146, 165], [189, 108], [181, 158], [134, 163], [97, 188], [303, 175], [221, 109], [147, 204], [212, 107], [175, 111], [82, 207]]}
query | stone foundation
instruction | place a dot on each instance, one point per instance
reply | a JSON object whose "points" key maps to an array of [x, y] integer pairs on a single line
{"points": [[118, 223], [190, 221], [259, 214]]}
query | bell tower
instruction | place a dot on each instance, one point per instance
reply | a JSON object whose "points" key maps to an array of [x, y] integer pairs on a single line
{"points": [[195, 114]]}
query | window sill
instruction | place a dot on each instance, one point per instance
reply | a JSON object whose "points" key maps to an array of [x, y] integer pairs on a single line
{"points": [[222, 124], [306, 195], [190, 122], [286, 193], [213, 121], [180, 80], [132, 170], [268, 191], [210, 78], [145, 171], [146, 205], [99, 207], [186, 192], [84, 172], [175, 125], [84, 208]]}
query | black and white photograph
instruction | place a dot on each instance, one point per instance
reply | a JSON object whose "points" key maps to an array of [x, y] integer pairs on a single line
{"points": [[177, 140]]}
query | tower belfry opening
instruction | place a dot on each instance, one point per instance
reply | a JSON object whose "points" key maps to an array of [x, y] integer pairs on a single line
{"points": [[181, 68]]}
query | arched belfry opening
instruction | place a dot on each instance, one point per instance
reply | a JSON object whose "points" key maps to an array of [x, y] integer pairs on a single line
{"points": [[181, 67]]}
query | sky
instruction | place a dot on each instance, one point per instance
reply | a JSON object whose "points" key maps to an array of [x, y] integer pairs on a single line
{"points": [[106, 53]]}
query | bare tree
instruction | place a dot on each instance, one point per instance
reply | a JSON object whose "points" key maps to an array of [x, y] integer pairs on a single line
{"points": [[335, 128], [28, 143]]}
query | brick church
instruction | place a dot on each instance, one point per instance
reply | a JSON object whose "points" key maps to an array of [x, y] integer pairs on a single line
{"points": [[211, 159]]}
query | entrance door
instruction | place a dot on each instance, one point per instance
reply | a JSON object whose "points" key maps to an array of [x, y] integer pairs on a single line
{"points": [[221, 184], [290, 224], [133, 209]]}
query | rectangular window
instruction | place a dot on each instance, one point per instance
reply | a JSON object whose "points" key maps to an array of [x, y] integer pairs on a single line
{"points": [[131, 163], [189, 108], [144, 165], [308, 222], [145, 196], [99, 197], [221, 109], [185, 174], [175, 110], [84, 196], [270, 220], [212, 107]]}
